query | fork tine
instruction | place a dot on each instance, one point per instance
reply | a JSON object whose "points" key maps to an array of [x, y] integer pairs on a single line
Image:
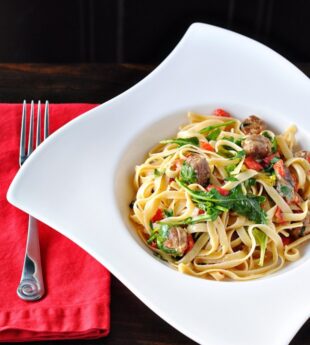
{"points": [[38, 138], [22, 144], [30, 138], [46, 120]]}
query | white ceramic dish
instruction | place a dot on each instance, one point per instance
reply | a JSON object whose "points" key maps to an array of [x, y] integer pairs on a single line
{"points": [[78, 182]]}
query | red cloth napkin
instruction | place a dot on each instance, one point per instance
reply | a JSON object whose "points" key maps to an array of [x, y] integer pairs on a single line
{"points": [[76, 304]]}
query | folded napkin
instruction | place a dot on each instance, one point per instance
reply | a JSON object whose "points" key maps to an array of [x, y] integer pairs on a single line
{"points": [[76, 304]]}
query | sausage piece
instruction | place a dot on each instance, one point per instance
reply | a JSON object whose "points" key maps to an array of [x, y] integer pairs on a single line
{"points": [[252, 125], [257, 146], [201, 168], [304, 230], [285, 186], [176, 240]]}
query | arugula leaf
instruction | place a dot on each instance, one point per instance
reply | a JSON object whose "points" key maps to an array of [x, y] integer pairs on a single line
{"points": [[267, 135], [182, 141], [231, 179], [168, 213], [158, 173], [240, 154], [250, 182], [261, 239], [237, 141], [210, 128], [188, 174], [302, 230], [229, 168], [214, 134], [269, 168], [275, 160], [151, 225], [286, 191], [248, 205], [274, 144], [245, 205], [231, 139], [189, 220], [226, 153]]}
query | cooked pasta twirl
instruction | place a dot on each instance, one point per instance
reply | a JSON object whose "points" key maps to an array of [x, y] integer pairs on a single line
{"points": [[224, 199]]}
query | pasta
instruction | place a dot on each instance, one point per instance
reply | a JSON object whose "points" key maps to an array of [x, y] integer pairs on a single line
{"points": [[225, 199]]}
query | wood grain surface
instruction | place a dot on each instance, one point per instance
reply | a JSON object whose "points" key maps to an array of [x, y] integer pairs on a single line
{"points": [[131, 321]]}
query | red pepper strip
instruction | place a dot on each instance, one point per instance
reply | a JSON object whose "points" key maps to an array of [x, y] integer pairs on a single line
{"points": [[279, 216], [251, 163], [177, 164], [201, 211], [268, 159], [222, 191], [206, 146], [286, 240], [171, 179], [153, 245], [221, 112], [279, 168], [190, 243], [294, 178], [157, 216]]}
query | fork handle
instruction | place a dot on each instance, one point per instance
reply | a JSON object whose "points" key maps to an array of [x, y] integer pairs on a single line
{"points": [[31, 286]]}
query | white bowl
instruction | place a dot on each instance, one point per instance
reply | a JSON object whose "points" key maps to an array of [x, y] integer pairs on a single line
{"points": [[79, 182]]}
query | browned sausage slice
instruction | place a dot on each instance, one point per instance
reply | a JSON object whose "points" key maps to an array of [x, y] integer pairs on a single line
{"points": [[176, 240], [257, 146], [201, 168], [253, 125]]}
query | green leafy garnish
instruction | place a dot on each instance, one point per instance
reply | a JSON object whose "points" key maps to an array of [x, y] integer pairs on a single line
{"points": [[214, 134], [269, 168], [261, 239], [275, 160], [231, 179], [190, 220], [250, 182], [274, 144], [210, 128], [245, 205], [151, 225], [236, 141], [230, 168], [158, 173], [240, 154], [302, 231], [226, 153], [182, 141], [286, 191], [188, 174], [168, 213]]}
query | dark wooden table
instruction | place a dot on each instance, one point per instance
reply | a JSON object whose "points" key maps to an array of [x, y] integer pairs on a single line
{"points": [[131, 321]]}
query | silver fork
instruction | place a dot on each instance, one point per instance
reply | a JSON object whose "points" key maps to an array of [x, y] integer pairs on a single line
{"points": [[31, 286]]}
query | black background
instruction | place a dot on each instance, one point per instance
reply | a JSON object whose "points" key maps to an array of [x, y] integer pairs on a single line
{"points": [[141, 31]]}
